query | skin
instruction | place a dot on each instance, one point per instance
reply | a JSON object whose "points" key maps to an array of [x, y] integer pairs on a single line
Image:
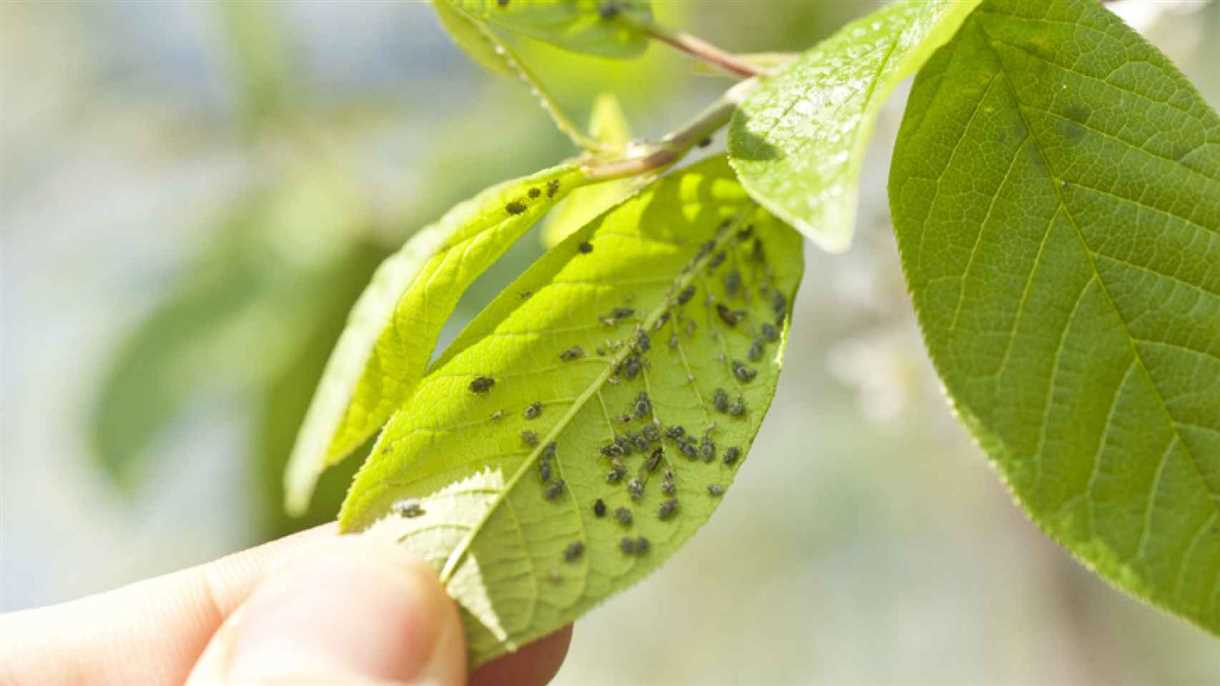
{"points": [[312, 608]]}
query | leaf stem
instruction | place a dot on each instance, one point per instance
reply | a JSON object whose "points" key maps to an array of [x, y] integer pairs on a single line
{"points": [[700, 49]]}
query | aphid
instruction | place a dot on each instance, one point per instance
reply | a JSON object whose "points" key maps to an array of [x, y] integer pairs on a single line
{"points": [[525, 295], [636, 488], [720, 399], [707, 449], [609, 9], [779, 303], [409, 509], [497, 415], [529, 438], [654, 460], [482, 384], [616, 474], [623, 516], [732, 282], [585, 247], [731, 455], [573, 552], [686, 294], [574, 353], [534, 192], [533, 410], [640, 443], [705, 141], [548, 452], [515, 207], [643, 406], [554, 490], [643, 343], [624, 418], [622, 312], [544, 470], [688, 448], [611, 450], [716, 261], [675, 432], [742, 372], [552, 187], [727, 315], [599, 508], [705, 249], [745, 233], [756, 350], [668, 508], [667, 485], [630, 367], [624, 445], [756, 253], [651, 433], [627, 545], [661, 321], [769, 332], [738, 408], [715, 490], [641, 545]]}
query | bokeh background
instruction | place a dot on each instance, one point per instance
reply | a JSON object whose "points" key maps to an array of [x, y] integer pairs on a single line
{"points": [[193, 193]]}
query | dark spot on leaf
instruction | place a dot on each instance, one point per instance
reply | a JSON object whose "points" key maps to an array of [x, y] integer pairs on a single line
{"points": [[482, 384], [515, 207], [554, 490], [585, 247], [533, 410], [552, 187], [534, 193], [599, 508], [731, 455], [623, 516], [529, 438], [686, 294], [742, 372], [668, 508], [573, 552], [770, 333], [574, 353], [715, 490]]}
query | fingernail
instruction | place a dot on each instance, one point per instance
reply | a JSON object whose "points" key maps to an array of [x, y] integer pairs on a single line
{"points": [[355, 610]]}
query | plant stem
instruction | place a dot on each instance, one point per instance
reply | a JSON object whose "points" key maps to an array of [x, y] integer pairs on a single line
{"points": [[701, 49]]}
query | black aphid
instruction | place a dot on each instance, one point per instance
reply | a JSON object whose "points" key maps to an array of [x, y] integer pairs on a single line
{"points": [[554, 490], [623, 516], [641, 545], [705, 141], [552, 187], [727, 315], [502, 3], [609, 9], [715, 490], [668, 508], [409, 509], [525, 295], [515, 207], [642, 406], [738, 408], [742, 372], [533, 410], [630, 366], [667, 484], [616, 474], [622, 312], [731, 455], [624, 444], [705, 249], [574, 353], [599, 508], [769, 332], [707, 449], [636, 488], [573, 552], [745, 233], [720, 400], [585, 247], [639, 442], [627, 545], [544, 470], [534, 192], [643, 343], [611, 450], [482, 384], [675, 432], [686, 294], [654, 460], [757, 350], [716, 261], [529, 438], [661, 321], [688, 448], [548, 452], [779, 303], [732, 282], [651, 433]]}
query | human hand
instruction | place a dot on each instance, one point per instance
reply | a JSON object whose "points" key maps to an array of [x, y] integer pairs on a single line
{"points": [[310, 608]]}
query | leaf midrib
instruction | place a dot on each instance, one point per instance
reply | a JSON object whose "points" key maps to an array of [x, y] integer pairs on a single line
{"points": [[460, 552]]}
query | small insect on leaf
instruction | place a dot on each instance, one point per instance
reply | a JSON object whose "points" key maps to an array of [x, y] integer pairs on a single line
{"points": [[533, 410], [516, 207], [623, 516], [599, 508], [574, 551], [482, 384]]}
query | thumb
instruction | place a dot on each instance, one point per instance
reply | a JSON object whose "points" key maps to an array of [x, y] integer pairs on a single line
{"points": [[353, 611]]}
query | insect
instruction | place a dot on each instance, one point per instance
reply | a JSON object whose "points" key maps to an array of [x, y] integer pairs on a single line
{"points": [[554, 490], [661, 321], [732, 282], [534, 192], [533, 410], [654, 460], [716, 261], [630, 367], [756, 350], [779, 303], [502, 3], [720, 399], [574, 353], [585, 247], [529, 438], [624, 445], [643, 406], [623, 516], [651, 433], [599, 508], [731, 455], [409, 509], [705, 141], [640, 443], [686, 294], [611, 450], [544, 470], [608, 10], [769, 332], [627, 545], [548, 451], [617, 472], [667, 484], [641, 545], [636, 488], [482, 384], [675, 432], [744, 234], [552, 187], [742, 372], [668, 508], [573, 552], [515, 207], [643, 343], [715, 490], [688, 448], [738, 408], [708, 247], [707, 449]]}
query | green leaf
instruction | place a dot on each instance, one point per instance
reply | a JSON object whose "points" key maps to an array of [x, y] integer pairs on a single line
{"points": [[502, 537], [797, 142], [586, 26], [608, 126], [392, 330], [1056, 196]]}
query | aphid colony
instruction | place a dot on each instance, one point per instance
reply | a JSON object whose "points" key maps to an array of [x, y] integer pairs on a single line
{"points": [[519, 206], [628, 364]]}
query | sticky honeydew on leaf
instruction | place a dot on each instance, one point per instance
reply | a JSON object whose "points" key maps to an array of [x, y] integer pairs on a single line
{"points": [[393, 328], [798, 141], [630, 454]]}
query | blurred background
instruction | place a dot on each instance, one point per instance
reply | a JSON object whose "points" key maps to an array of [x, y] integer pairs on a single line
{"points": [[191, 196]]}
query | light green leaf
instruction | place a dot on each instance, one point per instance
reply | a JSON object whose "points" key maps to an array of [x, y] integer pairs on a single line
{"points": [[598, 27], [1056, 195], [392, 330], [552, 338], [797, 142], [608, 126]]}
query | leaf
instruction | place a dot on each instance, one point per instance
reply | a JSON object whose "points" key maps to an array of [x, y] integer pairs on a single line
{"points": [[392, 330], [609, 128], [797, 142], [458, 458], [1056, 196], [588, 26]]}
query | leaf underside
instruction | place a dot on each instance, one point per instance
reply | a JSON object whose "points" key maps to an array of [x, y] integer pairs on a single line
{"points": [[1056, 197], [454, 477], [576, 25], [797, 142], [392, 330]]}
